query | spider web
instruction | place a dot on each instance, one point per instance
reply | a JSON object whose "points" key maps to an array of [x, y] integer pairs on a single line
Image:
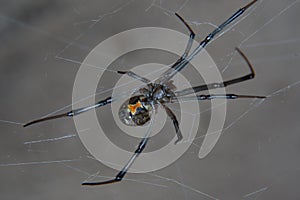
{"points": [[45, 43]]}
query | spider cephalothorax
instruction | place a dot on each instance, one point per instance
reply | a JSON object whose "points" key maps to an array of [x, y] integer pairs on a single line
{"points": [[136, 111]]}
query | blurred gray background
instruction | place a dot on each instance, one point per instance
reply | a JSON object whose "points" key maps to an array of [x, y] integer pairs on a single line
{"points": [[42, 46]]}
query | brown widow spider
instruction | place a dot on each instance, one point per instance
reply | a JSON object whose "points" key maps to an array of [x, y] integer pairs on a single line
{"points": [[136, 111]]}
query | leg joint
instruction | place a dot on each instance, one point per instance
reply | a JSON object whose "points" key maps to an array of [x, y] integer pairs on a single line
{"points": [[120, 175], [140, 147]]}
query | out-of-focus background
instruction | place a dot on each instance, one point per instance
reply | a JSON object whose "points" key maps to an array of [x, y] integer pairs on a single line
{"points": [[42, 46]]}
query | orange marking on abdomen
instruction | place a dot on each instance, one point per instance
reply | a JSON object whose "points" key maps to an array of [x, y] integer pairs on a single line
{"points": [[133, 107]]}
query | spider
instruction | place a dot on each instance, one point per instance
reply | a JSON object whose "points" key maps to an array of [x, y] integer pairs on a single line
{"points": [[136, 111]]}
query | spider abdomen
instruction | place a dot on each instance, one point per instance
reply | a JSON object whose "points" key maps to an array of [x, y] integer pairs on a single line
{"points": [[135, 111]]}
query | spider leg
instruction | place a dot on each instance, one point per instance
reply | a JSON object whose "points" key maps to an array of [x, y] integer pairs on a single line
{"points": [[210, 86], [191, 38], [135, 76], [124, 170], [210, 36], [184, 55], [175, 122], [215, 96], [72, 113], [178, 66]]}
